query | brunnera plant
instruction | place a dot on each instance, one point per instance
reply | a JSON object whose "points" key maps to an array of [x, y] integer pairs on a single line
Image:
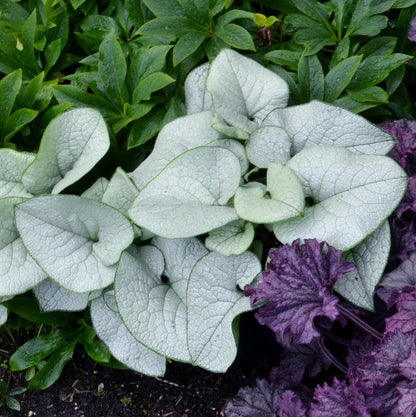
{"points": [[162, 254]]}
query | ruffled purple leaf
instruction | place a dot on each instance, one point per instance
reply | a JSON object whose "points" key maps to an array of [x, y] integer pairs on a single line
{"points": [[262, 400], [407, 400], [412, 31], [291, 405], [408, 366], [296, 361], [405, 318], [401, 280], [298, 287], [404, 149], [360, 345], [339, 399]]}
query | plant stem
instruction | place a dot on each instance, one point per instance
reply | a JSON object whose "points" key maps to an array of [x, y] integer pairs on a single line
{"points": [[331, 357], [359, 322]]}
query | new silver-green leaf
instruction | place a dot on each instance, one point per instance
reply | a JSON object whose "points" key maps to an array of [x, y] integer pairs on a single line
{"points": [[18, 271], [123, 346], [12, 166], [120, 192], [232, 239], [243, 91], [71, 146], [175, 138], [282, 199], [75, 240], [52, 297], [317, 123], [268, 144], [150, 289], [370, 258], [215, 298], [353, 194], [189, 196]]}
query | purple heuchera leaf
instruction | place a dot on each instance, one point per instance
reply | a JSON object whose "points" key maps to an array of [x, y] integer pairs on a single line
{"points": [[384, 370], [296, 360], [401, 280], [412, 30], [403, 222], [265, 399], [407, 402], [262, 400], [291, 405], [403, 151], [405, 318], [298, 286], [339, 399], [360, 345]]}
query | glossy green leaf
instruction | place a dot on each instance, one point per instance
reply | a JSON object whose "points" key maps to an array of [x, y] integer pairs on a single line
{"points": [[9, 88], [236, 37], [337, 79], [373, 93], [187, 45], [112, 68], [53, 368], [311, 78], [17, 120], [148, 85]]}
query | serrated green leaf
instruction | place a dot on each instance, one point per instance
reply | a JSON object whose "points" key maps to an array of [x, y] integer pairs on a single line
{"points": [[375, 69], [164, 7], [174, 26], [337, 79], [374, 93], [79, 98], [12, 403], [17, 120], [146, 61], [311, 78], [342, 8], [9, 88], [235, 36], [33, 351], [284, 57], [381, 45], [53, 368], [366, 19], [187, 45], [98, 351], [80, 238], [112, 68], [32, 89], [150, 84], [52, 53]]}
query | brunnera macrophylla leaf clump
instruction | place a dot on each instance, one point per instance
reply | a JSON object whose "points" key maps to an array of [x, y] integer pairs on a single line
{"points": [[161, 254]]}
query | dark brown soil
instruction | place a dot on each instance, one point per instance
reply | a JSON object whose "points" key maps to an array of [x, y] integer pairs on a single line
{"points": [[90, 390]]}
